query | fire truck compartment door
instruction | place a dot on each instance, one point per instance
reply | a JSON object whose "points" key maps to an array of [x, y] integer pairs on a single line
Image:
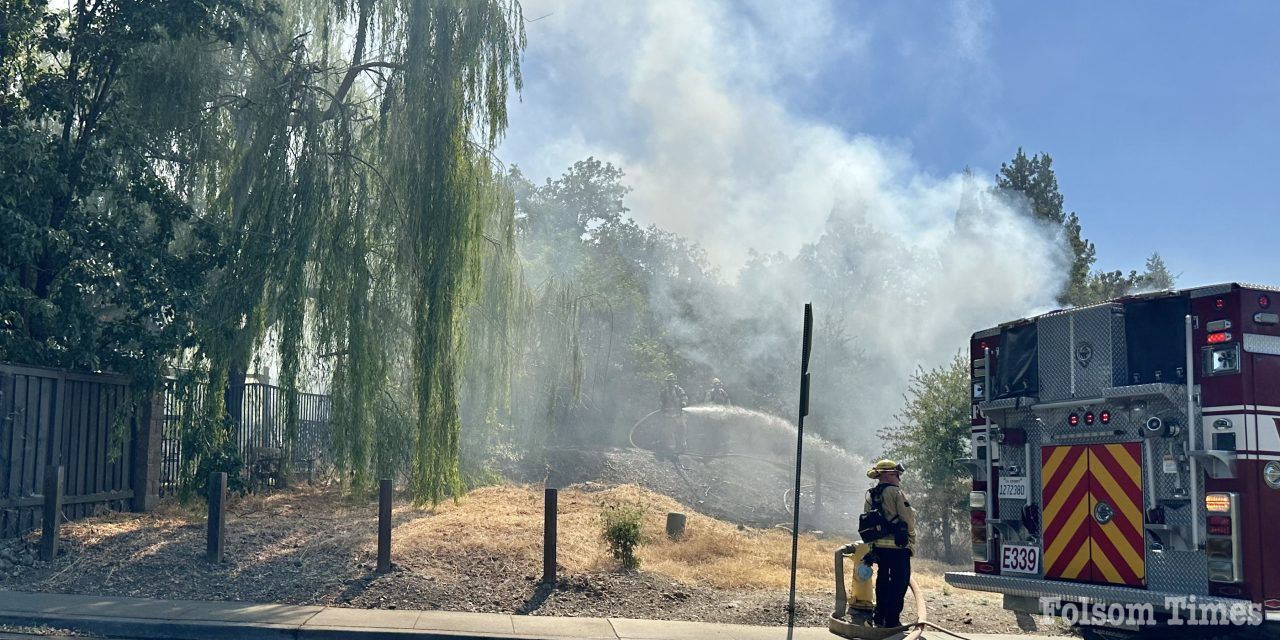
{"points": [[1093, 521]]}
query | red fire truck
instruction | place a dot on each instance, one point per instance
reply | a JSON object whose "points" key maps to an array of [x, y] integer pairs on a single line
{"points": [[1126, 464]]}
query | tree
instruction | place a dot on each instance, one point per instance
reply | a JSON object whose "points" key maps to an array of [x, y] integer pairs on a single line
{"points": [[1157, 276], [1029, 184], [100, 264], [929, 436], [1109, 285], [181, 180]]}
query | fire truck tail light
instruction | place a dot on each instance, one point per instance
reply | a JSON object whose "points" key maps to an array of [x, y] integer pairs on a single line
{"points": [[1219, 338], [1073, 420], [1088, 418], [1217, 502], [1222, 546], [977, 499], [978, 535], [1220, 525], [1105, 417]]}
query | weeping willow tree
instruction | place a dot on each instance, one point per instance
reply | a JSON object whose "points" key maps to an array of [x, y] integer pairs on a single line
{"points": [[305, 181], [354, 194], [394, 200]]}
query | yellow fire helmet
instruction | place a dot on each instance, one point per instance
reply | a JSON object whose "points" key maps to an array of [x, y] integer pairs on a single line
{"points": [[884, 465]]}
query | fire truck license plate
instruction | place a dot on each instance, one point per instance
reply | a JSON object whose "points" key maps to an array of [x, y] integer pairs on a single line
{"points": [[1015, 559], [1013, 487]]}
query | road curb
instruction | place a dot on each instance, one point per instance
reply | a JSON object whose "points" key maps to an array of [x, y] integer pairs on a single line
{"points": [[152, 629], [161, 629]]}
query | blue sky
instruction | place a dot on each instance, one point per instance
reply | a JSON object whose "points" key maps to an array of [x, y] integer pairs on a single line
{"points": [[1161, 117]]}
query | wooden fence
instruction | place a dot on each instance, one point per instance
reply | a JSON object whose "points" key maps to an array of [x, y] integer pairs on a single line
{"points": [[119, 452], [84, 422]]}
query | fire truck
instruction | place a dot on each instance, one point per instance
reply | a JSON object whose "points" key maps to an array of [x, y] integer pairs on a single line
{"points": [[1126, 464]]}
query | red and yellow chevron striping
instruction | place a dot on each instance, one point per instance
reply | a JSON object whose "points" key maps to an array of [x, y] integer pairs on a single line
{"points": [[1092, 513]]}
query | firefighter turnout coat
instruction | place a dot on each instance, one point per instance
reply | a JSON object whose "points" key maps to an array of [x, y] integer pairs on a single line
{"points": [[895, 506]]}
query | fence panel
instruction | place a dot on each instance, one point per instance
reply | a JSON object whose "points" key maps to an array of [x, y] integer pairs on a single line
{"points": [[259, 428], [81, 421]]}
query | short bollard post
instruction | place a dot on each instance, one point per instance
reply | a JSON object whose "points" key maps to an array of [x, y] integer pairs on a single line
{"points": [[53, 477], [675, 524], [384, 525], [217, 516], [549, 537]]}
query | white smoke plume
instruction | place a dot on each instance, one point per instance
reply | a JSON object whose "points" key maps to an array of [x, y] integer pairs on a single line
{"points": [[691, 99]]}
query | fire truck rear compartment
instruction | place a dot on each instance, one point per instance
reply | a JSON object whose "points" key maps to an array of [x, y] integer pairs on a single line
{"points": [[1087, 408]]}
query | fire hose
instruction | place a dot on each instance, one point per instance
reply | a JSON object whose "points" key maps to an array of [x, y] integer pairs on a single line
{"points": [[845, 628]]}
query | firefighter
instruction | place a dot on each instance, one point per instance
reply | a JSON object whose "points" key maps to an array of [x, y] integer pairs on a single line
{"points": [[887, 504], [716, 394], [673, 400]]}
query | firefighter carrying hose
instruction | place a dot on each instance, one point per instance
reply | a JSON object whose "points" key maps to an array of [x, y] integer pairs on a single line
{"points": [[673, 400], [716, 394], [889, 524]]}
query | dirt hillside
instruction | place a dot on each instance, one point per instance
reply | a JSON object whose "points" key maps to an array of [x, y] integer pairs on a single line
{"points": [[482, 553]]}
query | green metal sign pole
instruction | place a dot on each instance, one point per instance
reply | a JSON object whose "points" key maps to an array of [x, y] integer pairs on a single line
{"points": [[805, 346]]}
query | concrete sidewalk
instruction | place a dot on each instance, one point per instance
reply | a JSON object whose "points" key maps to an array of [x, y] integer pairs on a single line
{"points": [[191, 620]]}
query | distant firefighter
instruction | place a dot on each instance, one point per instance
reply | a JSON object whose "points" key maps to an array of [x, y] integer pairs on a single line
{"points": [[673, 401], [716, 394]]}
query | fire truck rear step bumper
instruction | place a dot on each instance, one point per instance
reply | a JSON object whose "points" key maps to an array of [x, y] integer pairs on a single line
{"points": [[1037, 588]]}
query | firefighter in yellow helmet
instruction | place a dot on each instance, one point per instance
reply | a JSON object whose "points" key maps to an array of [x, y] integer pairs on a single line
{"points": [[717, 394], [672, 400], [889, 524]]}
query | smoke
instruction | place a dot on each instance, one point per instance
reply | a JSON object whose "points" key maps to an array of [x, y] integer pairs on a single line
{"points": [[696, 101]]}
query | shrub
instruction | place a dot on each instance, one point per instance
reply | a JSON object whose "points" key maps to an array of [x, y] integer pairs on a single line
{"points": [[622, 531]]}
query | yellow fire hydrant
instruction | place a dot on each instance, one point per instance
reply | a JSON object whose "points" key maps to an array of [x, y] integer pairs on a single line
{"points": [[863, 588]]}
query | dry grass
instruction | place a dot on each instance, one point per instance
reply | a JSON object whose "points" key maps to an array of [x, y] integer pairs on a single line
{"points": [[712, 552], [507, 521]]}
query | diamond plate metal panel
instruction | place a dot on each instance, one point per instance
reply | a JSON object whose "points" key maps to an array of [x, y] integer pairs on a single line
{"points": [[1258, 343], [1212, 290], [1119, 355], [1141, 390], [1055, 333], [1081, 353], [1033, 588], [1006, 403]]}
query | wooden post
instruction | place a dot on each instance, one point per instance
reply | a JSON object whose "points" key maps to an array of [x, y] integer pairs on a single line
{"points": [[53, 479], [384, 525], [675, 524], [217, 516], [549, 536]]}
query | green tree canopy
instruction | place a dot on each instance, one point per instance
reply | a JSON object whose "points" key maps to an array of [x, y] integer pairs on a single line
{"points": [[1031, 186], [181, 180], [930, 436]]}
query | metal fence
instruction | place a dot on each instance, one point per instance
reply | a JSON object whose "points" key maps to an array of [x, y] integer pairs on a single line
{"points": [[81, 421], [259, 428]]}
